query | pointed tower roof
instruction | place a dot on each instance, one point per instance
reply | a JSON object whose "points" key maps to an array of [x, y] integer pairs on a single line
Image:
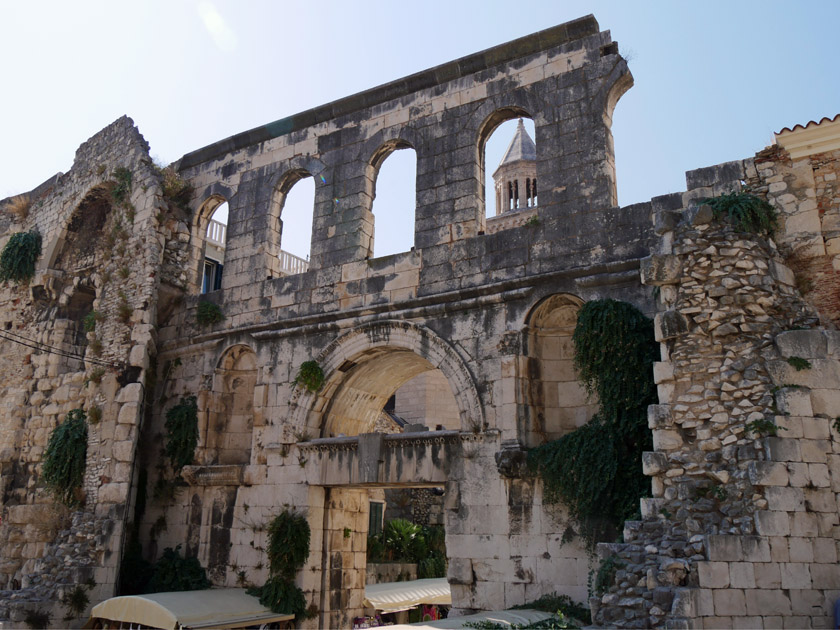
{"points": [[521, 147]]}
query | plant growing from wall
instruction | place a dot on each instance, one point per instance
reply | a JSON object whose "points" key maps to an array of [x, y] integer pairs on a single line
{"points": [[19, 255], [287, 551], [799, 364], [175, 573], [181, 436], [89, 320], [208, 313], [745, 211], [121, 185], [596, 470], [310, 375], [65, 457]]}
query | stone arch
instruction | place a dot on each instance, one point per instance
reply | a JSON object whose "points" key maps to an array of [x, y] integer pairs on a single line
{"points": [[372, 170], [555, 402], [229, 414], [205, 248], [489, 123], [81, 229], [398, 345]]}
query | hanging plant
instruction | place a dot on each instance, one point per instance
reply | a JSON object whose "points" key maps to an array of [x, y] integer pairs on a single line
{"points": [[181, 432], [19, 255], [596, 470], [65, 458], [746, 212], [287, 551], [310, 375]]}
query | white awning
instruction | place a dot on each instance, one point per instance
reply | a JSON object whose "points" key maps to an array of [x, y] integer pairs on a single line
{"points": [[501, 617], [396, 596], [207, 609]]}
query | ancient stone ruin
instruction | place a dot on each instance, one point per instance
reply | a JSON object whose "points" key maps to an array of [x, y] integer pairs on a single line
{"points": [[470, 331]]}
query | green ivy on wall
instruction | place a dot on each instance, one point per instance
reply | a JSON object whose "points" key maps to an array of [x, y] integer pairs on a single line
{"points": [[596, 470], [19, 255], [181, 432], [65, 458]]}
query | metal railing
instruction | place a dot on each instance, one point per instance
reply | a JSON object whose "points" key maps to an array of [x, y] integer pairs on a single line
{"points": [[291, 264], [217, 233]]}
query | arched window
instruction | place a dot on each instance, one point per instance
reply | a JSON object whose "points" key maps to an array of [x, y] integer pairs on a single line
{"points": [[215, 242], [294, 202], [394, 175], [509, 162]]}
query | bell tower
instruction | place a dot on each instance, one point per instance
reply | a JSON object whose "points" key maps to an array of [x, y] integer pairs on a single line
{"points": [[516, 176]]}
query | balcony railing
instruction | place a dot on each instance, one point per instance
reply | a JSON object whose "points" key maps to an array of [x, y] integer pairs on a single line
{"points": [[291, 264], [216, 233]]}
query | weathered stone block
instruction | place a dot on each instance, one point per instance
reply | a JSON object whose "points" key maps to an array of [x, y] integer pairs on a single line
{"points": [[661, 269], [806, 344], [729, 602], [767, 602], [794, 401], [768, 473], [768, 523], [654, 463], [666, 440], [767, 575], [713, 574], [785, 499], [795, 575], [669, 325]]}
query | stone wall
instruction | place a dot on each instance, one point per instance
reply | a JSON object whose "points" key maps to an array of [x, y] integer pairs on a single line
{"points": [[741, 529]]}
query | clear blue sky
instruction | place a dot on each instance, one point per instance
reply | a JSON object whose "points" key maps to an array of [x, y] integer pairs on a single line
{"points": [[714, 80]]}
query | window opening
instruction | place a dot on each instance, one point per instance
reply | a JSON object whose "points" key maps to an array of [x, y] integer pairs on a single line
{"points": [[394, 203], [296, 227], [215, 242], [510, 157]]}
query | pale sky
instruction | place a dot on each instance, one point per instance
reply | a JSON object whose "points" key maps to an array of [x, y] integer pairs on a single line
{"points": [[714, 79]]}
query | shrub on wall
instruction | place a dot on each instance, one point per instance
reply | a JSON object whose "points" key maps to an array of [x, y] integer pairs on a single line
{"points": [[174, 573], [310, 375], [287, 551], [208, 313], [19, 255], [181, 432], [65, 458], [596, 470], [745, 211]]}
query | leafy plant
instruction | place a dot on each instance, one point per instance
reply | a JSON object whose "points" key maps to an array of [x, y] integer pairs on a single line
{"points": [[96, 375], [402, 539], [76, 601], [122, 184], [596, 470], [605, 576], [124, 309], [745, 211], [288, 549], [208, 313], [798, 363], [94, 414], [65, 458], [95, 346], [19, 255], [175, 573], [89, 320], [181, 432], [310, 375], [176, 190], [533, 221], [763, 426], [563, 603], [37, 619]]}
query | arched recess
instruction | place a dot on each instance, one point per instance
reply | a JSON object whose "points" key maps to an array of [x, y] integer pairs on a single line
{"points": [[291, 240], [230, 412], [556, 401], [366, 365], [210, 237], [394, 214], [486, 129]]}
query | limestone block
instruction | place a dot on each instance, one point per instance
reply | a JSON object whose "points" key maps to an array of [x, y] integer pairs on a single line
{"points": [[823, 373], [713, 574], [782, 449], [804, 524], [826, 401], [666, 440], [795, 575], [133, 392], [767, 575], [807, 344], [658, 270], [785, 499], [767, 602], [755, 548], [663, 371], [741, 575], [669, 325], [816, 428], [654, 463], [729, 602], [779, 551], [123, 451], [820, 500], [794, 401], [801, 549], [782, 273], [825, 576], [113, 493], [768, 473], [819, 475], [723, 548], [769, 523], [814, 451], [127, 414]]}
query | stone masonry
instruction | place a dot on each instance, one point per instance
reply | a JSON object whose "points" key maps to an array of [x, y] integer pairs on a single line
{"points": [[741, 528]]}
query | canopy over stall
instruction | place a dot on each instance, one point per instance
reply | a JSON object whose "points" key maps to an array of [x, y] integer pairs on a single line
{"points": [[392, 597], [499, 617], [214, 608]]}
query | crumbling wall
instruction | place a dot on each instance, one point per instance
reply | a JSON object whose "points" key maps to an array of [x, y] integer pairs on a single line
{"points": [[101, 252]]}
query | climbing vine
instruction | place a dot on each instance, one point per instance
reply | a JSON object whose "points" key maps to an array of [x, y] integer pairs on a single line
{"points": [[596, 470], [65, 457], [19, 255], [310, 375], [181, 432], [745, 211], [287, 551]]}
